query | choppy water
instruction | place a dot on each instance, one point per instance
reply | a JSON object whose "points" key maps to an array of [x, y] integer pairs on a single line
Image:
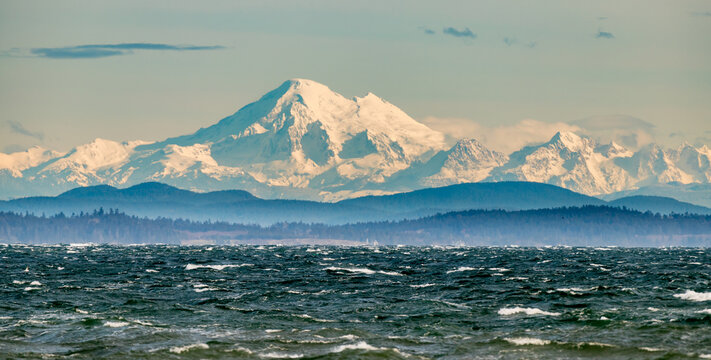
{"points": [[342, 303]]}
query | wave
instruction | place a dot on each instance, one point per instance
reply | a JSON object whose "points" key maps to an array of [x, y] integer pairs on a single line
{"points": [[214, 267], [362, 271], [276, 355], [422, 285], [463, 268], [694, 296], [116, 324], [182, 349], [361, 345], [527, 311], [527, 341]]}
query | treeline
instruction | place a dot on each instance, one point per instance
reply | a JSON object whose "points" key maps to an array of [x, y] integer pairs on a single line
{"points": [[587, 225]]}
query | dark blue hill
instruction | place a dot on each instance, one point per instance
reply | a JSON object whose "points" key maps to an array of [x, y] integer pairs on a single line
{"points": [[159, 200]]}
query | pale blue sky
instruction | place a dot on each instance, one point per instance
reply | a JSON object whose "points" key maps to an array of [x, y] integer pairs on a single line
{"points": [[552, 61]]}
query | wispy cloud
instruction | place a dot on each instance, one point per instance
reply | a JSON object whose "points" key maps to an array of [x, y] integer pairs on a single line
{"points": [[505, 138], [510, 41], [625, 130], [604, 35], [18, 128], [464, 33], [701, 13], [427, 30], [93, 51]]}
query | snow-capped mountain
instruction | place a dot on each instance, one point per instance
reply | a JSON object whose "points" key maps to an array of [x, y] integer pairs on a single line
{"points": [[570, 161], [300, 140], [580, 164], [305, 141]]}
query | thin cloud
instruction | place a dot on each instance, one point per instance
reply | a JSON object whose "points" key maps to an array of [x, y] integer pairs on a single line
{"points": [[427, 30], [511, 41], [464, 33], [18, 128], [93, 51], [702, 13], [506, 138], [604, 35]]}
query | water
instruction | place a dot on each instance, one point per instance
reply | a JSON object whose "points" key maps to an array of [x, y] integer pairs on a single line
{"points": [[341, 303]]}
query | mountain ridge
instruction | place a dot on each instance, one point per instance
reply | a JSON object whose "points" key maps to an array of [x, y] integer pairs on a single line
{"points": [[304, 141], [160, 200]]}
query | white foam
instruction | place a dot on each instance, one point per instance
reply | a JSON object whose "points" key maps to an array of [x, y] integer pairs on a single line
{"points": [[362, 271], [575, 290], [116, 324], [30, 288], [81, 311], [694, 296], [500, 269], [527, 341], [362, 345], [421, 286], [306, 316], [462, 268], [18, 282], [269, 331], [151, 271], [704, 311], [35, 283], [527, 311], [182, 349], [276, 355], [214, 267]]}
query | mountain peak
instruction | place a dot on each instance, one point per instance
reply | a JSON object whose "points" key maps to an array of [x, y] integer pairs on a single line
{"points": [[568, 139]]}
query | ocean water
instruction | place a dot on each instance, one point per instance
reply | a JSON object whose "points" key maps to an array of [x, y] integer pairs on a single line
{"points": [[249, 302]]}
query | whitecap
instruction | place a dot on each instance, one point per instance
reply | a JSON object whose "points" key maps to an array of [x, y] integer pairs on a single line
{"points": [[306, 316], [361, 345], [500, 269], [182, 349], [214, 267], [276, 355], [527, 311], [462, 268], [527, 341], [30, 288], [116, 324], [421, 286], [35, 283], [704, 311], [151, 271], [694, 296], [362, 271]]}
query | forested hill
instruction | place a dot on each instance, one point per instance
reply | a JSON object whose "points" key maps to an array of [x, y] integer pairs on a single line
{"points": [[577, 226], [159, 200]]}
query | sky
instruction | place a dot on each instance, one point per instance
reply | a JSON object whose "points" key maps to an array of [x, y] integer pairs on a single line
{"points": [[505, 72]]}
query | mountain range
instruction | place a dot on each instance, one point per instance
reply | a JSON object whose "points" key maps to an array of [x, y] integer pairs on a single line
{"points": [[156, 200], [305, 141]]}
